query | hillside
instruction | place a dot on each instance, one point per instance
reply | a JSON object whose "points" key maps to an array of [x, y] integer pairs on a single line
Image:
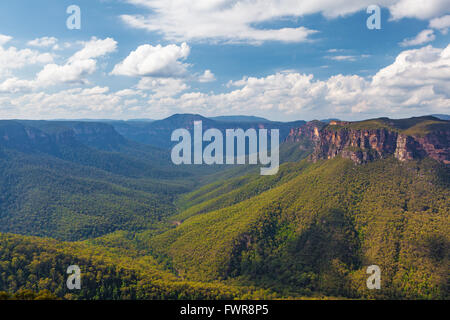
{"points": [[33, 268], [347, 195], [73, 180], [317, 231], [55, 183]]}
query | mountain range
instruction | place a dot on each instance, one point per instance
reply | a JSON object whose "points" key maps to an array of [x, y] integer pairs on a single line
{"points": [[105, 195]]}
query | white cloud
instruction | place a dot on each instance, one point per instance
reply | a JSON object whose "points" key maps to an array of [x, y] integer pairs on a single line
{"points": [[347, 58], [154, 61], [73, 72], [162, 87], [43, 42], [421, 9], [4, 39], [77, 67], [415, 68], [418, 82], [237, 20], [13, 58], [81, 64], [342, 58], [15, 85], [207, 76], [334, 50], [223, 20], [442, 24], [424, 36], [77, 102], [95, 91], [94, 48], [129, 92], [94, 102]]}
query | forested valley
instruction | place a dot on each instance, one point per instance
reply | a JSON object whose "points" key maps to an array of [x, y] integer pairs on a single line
{"points": [[106, 197]]}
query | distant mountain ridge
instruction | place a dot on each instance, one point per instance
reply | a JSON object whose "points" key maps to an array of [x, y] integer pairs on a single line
{"points": [[360, 141], [95, 134], [441, 116], [239, 119], [158, 133]]}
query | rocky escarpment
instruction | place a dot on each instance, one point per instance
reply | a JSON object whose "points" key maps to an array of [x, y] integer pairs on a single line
{"points": [[435, 145], [358, 145], [363, 145], [309, 131]]}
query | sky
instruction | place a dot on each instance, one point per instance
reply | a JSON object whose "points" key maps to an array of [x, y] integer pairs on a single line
{"points": [[279, 59]]}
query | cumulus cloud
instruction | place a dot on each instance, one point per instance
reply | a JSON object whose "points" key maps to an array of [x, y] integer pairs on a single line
{"points": [[77, 67], [43, 42], [15, 85], [442, 24], [154, 61], [237, 20], [75, 102], [93, 102], [417, 67], [162, 87], [73, 72], [418, 82], [423, 37], [4, 39], [13, 58], [207, 76], [421, 9], [94, 48], [95, 91], [129, 92]]}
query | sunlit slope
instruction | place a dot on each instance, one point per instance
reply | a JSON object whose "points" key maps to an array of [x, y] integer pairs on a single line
{"points": [[319, 231], [29, 265], [224, 193], [239, 183]]}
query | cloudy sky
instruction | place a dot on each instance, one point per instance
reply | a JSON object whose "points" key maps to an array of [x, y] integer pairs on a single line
{"points": [[280, 59]]}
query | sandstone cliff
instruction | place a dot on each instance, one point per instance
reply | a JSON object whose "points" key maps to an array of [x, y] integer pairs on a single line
{"points": [[360, 144]]}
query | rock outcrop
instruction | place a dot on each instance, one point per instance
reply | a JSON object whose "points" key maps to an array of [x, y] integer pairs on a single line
{"points": [[364, 145], [359, 145], [310, 131], [367, 145]]}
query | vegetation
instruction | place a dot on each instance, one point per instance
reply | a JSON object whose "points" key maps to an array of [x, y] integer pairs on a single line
{"points": [[418, 126], [49, 197], [141, 228], [35, 268], [320, 230]]}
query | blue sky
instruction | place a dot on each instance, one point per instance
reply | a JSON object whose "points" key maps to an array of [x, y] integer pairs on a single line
{"points": [[284, 60]]}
